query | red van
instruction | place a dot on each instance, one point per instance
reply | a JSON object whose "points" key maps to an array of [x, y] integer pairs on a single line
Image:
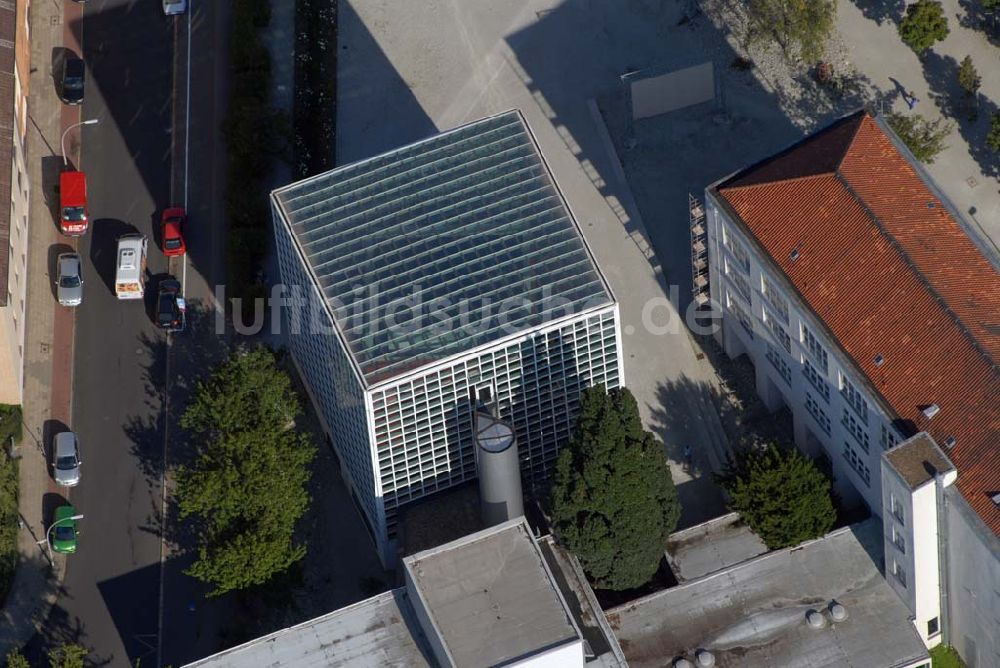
{"points": [[73, 203]]}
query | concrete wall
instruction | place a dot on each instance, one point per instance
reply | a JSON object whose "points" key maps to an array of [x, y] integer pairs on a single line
{"points": [[569, 655], [972, 622]]}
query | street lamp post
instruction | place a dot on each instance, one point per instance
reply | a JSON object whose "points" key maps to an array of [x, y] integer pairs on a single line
{"points": [[62, 142], [48, 542]]}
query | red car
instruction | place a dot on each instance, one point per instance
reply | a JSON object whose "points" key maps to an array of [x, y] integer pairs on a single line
{"points": [[173, 232]]}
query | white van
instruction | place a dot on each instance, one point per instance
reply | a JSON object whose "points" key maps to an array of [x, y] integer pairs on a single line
{"points": [[131, 266]]}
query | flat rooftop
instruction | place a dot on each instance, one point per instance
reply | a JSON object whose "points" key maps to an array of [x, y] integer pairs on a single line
{"points": [[442, 246], [753, 614], [374, 633], [711, 546], [491, 597], [918, 460]]}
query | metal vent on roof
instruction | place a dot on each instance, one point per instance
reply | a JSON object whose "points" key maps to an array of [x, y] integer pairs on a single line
{"points": [[705, 658], [837, 612], [931, 205], [931, 411], [815, 619], [794, 254], [996, 498], [683, 663], [879, 360], [950, 442]]}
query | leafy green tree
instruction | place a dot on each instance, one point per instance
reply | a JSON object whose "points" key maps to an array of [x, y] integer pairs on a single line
{"points": [[800, 27], [780, 494], [968, 77], [16, 660], [246, 487], [991, 5], [993, 137], [924, 138], [924, 24], [613, 499], [69, 655]]}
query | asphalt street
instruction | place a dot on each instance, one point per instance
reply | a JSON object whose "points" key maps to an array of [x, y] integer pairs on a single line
{"points": [[128, 378]]}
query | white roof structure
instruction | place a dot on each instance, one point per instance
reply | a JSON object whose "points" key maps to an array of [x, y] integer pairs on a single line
{"points": [[753, 614], [374, 633]]}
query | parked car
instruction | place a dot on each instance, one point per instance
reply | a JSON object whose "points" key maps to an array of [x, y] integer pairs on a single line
{"points": [[174, 7], [73, 80], [173, 222], [66, 459], [70, 283], [63, 532], [170, 306]]}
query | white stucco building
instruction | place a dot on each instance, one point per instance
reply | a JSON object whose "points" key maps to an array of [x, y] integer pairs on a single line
{"points": [[425, 279], [867, 308]]}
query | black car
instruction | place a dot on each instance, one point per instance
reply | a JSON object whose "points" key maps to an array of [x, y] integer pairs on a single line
{"points": [[170, 306], [72, 81]]}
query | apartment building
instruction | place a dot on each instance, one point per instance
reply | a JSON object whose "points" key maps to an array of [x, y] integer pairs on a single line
{"points": [[427, 279], [15, 58], [871, 311]]}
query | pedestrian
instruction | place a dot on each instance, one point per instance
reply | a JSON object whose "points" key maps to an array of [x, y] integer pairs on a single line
{"points": [[687, 454], [911, 100]]}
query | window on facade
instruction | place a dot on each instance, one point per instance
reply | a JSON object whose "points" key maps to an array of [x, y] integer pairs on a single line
{"points": [[897, 508], [858, 464], [898, 540], [816, 380], [740, 282], [774, 297], [933, 627], [897, 570], [741, 314], [778, 362], [812, 344], [856, 429], [854, 398], [888, 437], [818, 413], [740, 254], [779, 332]]}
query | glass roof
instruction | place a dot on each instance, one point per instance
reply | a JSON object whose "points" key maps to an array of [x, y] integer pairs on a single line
{"points": [[442, 246]]}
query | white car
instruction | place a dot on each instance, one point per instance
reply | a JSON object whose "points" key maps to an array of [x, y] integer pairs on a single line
{"points": [[174, 7]]}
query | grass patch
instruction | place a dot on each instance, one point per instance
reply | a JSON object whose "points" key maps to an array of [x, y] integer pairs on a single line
{"points": [[945, 656], [255, 135], [314, 117]]}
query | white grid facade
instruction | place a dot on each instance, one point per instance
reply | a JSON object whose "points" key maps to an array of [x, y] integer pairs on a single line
{"points": [[423, 425]]}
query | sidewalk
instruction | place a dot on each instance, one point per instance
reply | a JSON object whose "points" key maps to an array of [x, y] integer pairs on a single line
{"points": [[48, 364]]}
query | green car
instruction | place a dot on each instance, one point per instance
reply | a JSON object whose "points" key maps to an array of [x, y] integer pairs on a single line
{"points": [[63, 531]]}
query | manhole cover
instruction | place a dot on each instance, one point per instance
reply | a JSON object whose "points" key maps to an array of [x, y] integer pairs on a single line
{"points": [[972, 181]]}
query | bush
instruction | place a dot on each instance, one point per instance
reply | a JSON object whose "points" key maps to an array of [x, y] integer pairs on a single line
{"points": [[993, 137], [784, 497], [613, 500], [924, 138], [8, 522], [924, 24], [945, 656], [10, 424]]}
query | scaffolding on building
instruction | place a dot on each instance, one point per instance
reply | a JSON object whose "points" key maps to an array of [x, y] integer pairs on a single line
{"points": [[699, 251]]}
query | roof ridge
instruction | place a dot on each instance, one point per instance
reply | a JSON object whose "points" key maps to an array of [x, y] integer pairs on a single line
{"points": [[794, 179], [865, 116], [915, 269]]}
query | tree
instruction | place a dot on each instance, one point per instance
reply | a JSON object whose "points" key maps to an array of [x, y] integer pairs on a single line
{"points": [[613, 499], [993, 137], [780, 494], [924, 138], [68, 655], [16, 660], [799, 27], [246, 487], [968, 77], [924, 24]]}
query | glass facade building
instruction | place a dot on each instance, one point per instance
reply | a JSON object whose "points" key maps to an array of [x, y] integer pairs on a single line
{"points": [[425, 276]]}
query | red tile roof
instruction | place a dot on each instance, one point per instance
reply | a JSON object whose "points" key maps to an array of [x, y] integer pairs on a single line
{"points": [[891, 272]]}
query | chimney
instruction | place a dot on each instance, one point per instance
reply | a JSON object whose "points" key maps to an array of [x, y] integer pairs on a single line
{"points": [[500, 497]]}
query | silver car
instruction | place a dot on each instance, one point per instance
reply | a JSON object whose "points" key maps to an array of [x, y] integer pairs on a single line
{"points": [[66, 460], [70, 283]]}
